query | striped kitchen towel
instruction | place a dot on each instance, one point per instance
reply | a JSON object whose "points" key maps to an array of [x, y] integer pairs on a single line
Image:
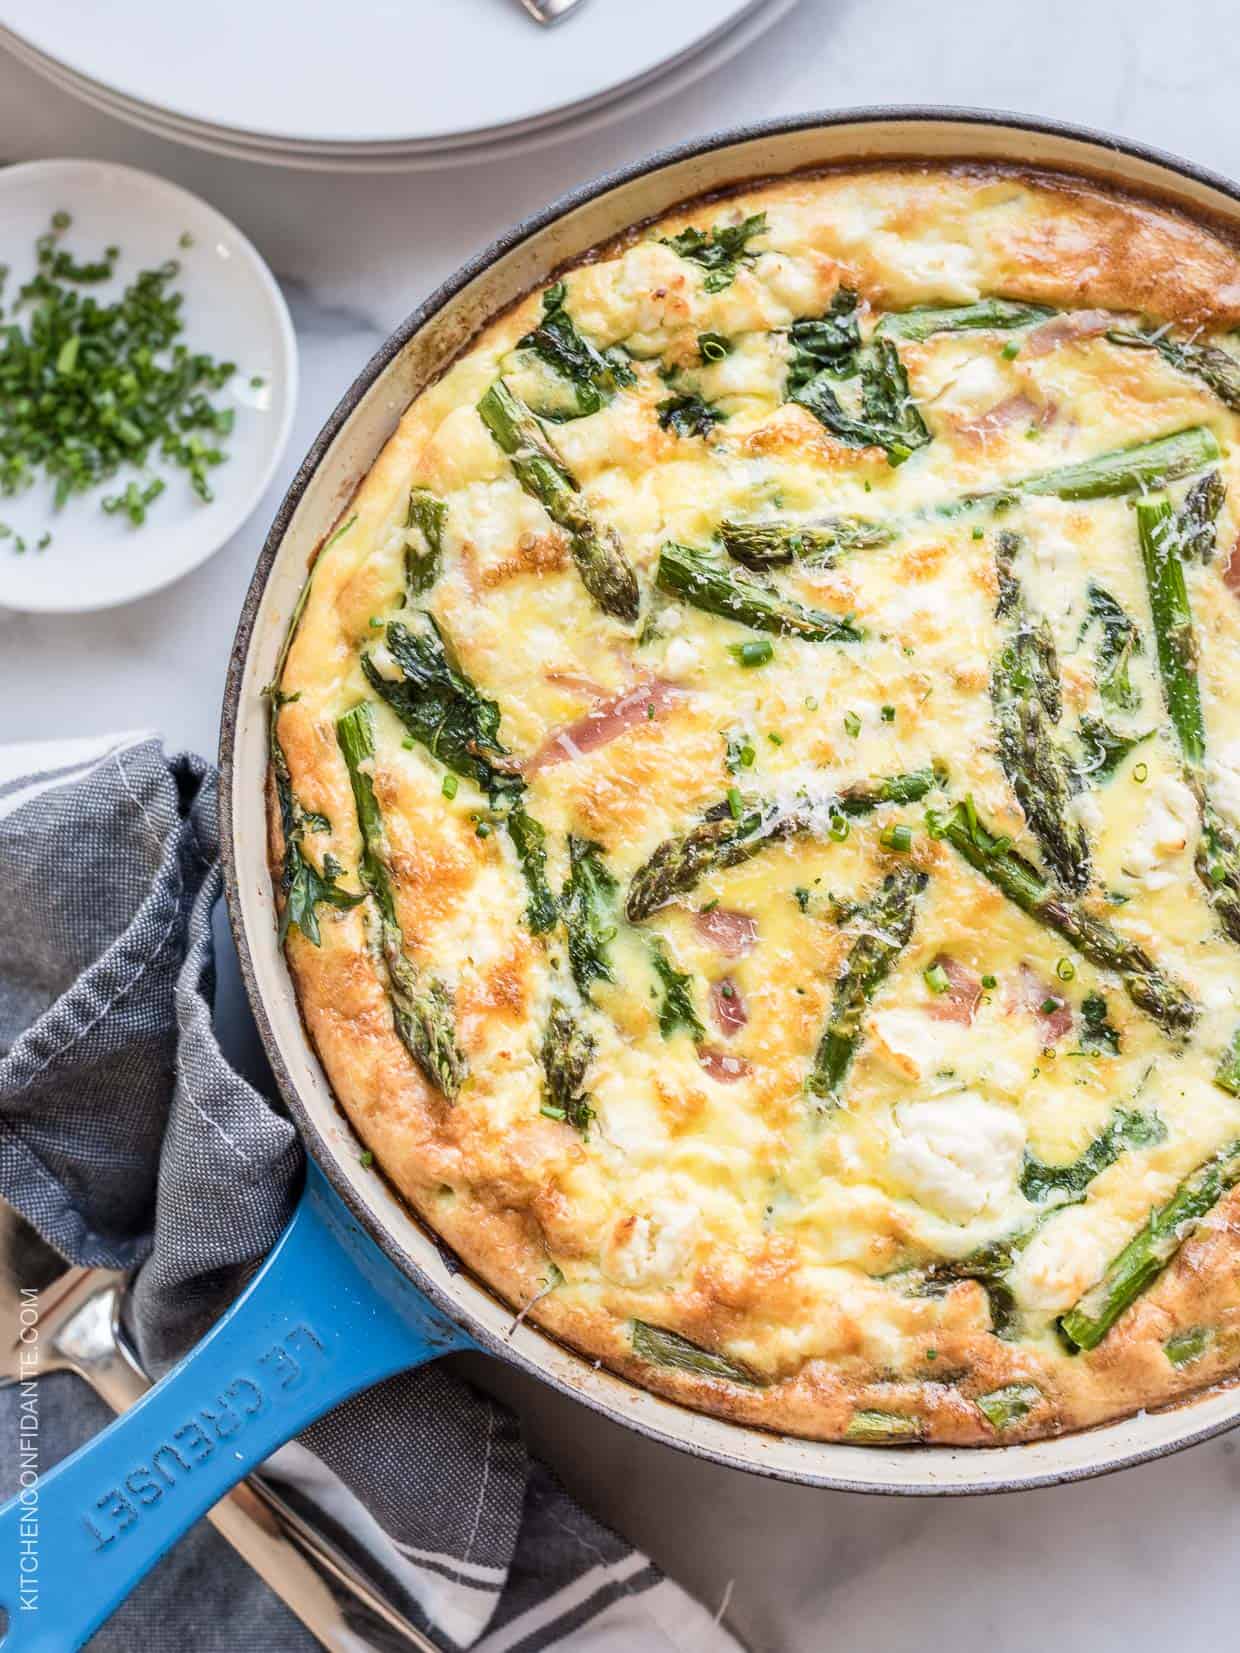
{"points": [[128, 1141]]}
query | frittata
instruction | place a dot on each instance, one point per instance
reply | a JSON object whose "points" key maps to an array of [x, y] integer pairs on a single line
{"points": [[755, 805]]}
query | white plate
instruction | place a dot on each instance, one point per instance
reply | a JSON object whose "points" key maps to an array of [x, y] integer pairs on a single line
{"points": [[412, 157], [233, 309], [373, 71]]}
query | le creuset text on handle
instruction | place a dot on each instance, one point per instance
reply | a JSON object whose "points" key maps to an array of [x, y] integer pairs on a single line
{"points": [[325, 1316]]}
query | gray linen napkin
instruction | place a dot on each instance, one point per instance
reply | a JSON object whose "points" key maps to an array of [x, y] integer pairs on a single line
{"points": [[127, 1141]]}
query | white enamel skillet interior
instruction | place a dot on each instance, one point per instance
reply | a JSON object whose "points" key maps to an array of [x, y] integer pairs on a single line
{"points": [[416, 354]]}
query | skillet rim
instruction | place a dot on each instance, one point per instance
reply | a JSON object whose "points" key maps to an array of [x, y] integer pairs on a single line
{"points": [[313, 1138]]}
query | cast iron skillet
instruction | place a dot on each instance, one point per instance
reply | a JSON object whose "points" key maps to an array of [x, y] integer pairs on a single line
{"points": [[357, 1287]]}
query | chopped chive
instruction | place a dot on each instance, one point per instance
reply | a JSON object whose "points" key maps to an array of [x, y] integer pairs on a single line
{"points": [[408, 743], [801, 896], [897, 838], [811, 703], [838, 828], [376, 622], [758, 651], [366, 1158], [888, 714], [550, 1111], [736, 804], [450, 784], [979, 533], [483, 829], [185, 239], [990, 982], [92, 388], [713, 347], [1065, 969], [775, 738], [1141, 773], [937, 979], [852, 724], [1011, 350], [1050, 1005]]}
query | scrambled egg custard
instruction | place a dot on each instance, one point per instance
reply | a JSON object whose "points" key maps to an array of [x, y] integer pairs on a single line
{"points": [[755, 801]]}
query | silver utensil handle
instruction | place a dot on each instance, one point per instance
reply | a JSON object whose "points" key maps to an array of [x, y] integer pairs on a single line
{"points": [[550, 11], [304, 1568]]}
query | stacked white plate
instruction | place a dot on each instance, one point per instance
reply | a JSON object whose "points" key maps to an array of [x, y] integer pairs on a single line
{"points": [[366, 85]]}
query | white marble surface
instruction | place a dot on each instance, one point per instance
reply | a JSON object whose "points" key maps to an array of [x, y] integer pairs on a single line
{"points": [[1140, 1561]]}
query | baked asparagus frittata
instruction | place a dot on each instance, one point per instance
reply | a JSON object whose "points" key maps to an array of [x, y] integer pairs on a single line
{"points": [[756, 805]]}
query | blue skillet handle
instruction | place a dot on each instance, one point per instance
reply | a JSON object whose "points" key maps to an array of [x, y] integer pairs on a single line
{"points": [[325, 1316]]}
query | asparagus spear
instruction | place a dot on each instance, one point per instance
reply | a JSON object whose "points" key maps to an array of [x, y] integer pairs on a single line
{"points": [[1182, 1348], [1173, 624], [910, 788], [719, 840], [1066, 1184], [676, 1008], [422, 1007], [428, 515], [1216, 368], [1003, 1407], [872, 1428], [1130, 470], [989, 314], [588, 902], [1145, 1256], [1217, 860], [592, 375], [721, 252], [1198, 517], [762, 545], [885, 926], [1149, 987], [605, 570], [1025, 691], [732, 831], [663, 1348], [716, 589], [566, 1053]]}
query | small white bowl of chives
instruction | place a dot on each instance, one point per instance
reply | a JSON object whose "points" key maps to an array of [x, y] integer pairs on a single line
{"points": [[148, 377]]}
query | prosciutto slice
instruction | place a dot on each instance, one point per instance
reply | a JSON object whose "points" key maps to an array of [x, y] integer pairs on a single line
{"points": [[1077, 324], [962, 998], [731, 933], [1050, 1007], [722, 1067], [606, 720], [727, 1007]]}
